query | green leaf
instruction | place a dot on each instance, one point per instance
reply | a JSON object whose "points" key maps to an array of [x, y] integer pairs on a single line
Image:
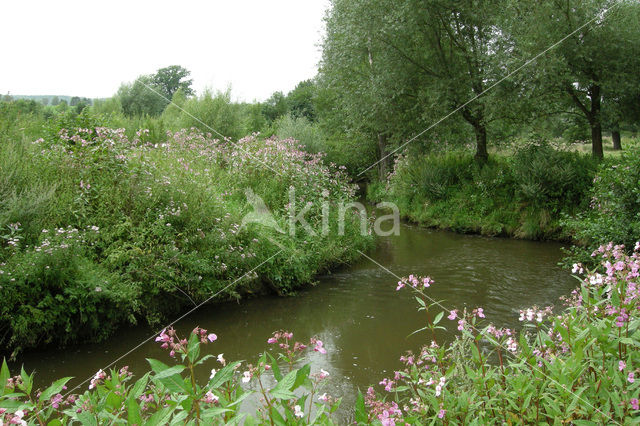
{"points": [[301, 376], [274, 367], [193, 348], [176, 369], [438, 318], [87, 419], [361, 415], [55, 422], [55, 388], [277, 418], [161, 417], [213, 412], [4, 376], [139, 387], [223, 375], [134, 415], [282, 390]]}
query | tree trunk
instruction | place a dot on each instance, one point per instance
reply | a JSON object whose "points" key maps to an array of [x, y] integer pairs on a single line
{"points": [[617, 142], [481, 143], [594, 121], [383, 166]]}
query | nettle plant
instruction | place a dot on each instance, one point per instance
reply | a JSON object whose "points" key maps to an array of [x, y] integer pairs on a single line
{"points": [[285, 392], [578, 367]]}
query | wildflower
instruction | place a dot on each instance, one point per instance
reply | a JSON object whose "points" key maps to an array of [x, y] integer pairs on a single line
{"points": [[323, 397], [453, 315], [56, 400], [631, 377], [213, 373], [577, 268], [622, 365], [400, 285], [461, 324], [319, 347], [297, 411], [100, 375], [210, 398], [441, 413], [212, 337], [221, 359], [323, 374], [634, 403], [247, 377], [272, 340], [636, 248], [479, 312], [388, 384]]}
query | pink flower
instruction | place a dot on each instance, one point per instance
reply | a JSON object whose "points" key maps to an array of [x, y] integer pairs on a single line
{"points": [[319, 347], [212, 337], [442, 413], [272, 340], [210, 398], [631, 377], [400, 285], [453, 315], [622, 365], [634, 403]]}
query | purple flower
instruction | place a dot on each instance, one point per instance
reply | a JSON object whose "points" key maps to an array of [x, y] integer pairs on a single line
{"points": [[634, 403], [631, 377], [212, 337], [272, 340], [453, 315], [442, 413], [319, 347], [622, 365]]}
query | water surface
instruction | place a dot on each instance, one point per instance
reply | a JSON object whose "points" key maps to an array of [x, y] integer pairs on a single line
{"points": [[356, 311]]}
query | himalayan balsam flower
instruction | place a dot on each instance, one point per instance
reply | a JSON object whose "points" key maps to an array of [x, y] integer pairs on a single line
{"points": [[453, 315], [634, 403], [319, 347], [442, 413], [325, 398], [297, 411], [221, 359], [210, 398], [631, 377], [246, 377], [622, 365], [212, 337], [323, 374], [213, 373]]}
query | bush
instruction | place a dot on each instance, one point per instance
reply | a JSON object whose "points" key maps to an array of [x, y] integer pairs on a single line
{"points": [[550, 178], [171, 226], [614, 212]]}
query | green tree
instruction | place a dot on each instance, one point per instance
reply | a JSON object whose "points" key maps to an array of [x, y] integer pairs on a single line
{"points": [[141, 97], [600, 53], [170, 79], [274, 107], [300, 100]]}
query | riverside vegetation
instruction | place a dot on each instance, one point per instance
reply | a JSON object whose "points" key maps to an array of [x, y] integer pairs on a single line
{"points": [[579, 364], [100, 229]]}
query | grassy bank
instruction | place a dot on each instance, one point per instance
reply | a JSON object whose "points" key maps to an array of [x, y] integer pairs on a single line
{"points": [[101, 229], [534, 192]]}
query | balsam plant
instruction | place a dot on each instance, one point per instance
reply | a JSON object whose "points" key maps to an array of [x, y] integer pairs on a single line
{"points": [[284, 390], [578, 366]]}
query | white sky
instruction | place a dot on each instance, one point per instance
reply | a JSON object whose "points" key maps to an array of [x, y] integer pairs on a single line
{"points": [[88, 48]]}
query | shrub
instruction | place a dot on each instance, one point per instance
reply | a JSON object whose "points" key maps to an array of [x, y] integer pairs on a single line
{"points": [[614, 212], [171, 231]]}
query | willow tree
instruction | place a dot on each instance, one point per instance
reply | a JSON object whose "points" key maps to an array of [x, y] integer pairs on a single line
{"points": [[409, 64], [590, 45]]}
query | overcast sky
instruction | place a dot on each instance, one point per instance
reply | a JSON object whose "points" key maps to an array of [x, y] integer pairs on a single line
{"points": [[87, 48]]}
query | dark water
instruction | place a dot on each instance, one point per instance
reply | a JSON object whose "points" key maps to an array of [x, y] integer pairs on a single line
{"points": [[356, 311]]}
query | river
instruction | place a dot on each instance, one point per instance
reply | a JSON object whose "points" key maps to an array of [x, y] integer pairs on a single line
{"points": [[363, 321]]}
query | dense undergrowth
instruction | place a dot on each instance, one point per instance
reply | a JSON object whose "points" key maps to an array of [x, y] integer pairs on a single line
{"points": [[578, 365], [100, 228], [537, 192]]}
